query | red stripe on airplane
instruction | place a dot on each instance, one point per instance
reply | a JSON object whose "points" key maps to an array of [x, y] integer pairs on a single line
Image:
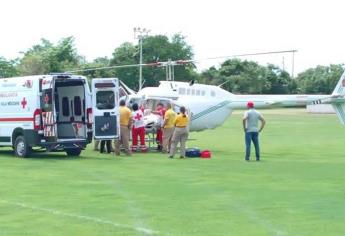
{"points": [[343, 83]]}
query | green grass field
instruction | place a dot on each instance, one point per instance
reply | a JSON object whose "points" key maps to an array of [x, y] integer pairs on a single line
{"points": [[297, 189]]}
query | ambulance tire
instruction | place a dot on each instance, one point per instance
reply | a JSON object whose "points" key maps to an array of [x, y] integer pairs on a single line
{"points": [[21, 148], [73, 152]]}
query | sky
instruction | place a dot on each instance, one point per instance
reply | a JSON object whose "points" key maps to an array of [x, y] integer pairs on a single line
{"points": [[213, 28]]}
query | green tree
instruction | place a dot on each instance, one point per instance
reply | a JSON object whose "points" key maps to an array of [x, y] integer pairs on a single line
{"points": [[249, 77], [45, 58], [126, 55], [155, 48], [97, 69], [7, 68], [277, 80], [244, 76], [321, 79]]}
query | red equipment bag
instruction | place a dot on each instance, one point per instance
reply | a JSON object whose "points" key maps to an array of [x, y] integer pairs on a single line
{"points": [[205, 154]]}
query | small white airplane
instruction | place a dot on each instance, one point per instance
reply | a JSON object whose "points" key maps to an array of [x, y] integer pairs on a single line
{"points": [[211, 105]]}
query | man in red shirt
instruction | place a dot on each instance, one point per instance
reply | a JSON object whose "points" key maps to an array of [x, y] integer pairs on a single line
{"points": [[160, 111]]}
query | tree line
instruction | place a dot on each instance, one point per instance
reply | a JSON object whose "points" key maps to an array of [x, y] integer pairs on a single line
{"points": [[235, 75]]}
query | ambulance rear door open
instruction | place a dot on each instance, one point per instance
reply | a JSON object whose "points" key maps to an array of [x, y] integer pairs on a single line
{"points": [[105, 108], [47, 108]]}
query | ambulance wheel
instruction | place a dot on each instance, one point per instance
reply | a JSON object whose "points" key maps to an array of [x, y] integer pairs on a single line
{"points": [[73, 152], [21, 148]]}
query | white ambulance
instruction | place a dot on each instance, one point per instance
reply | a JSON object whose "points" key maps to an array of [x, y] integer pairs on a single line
{"points": [[53, 112]]}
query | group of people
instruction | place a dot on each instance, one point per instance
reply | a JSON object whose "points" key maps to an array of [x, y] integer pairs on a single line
{"points": [[173, 130]]}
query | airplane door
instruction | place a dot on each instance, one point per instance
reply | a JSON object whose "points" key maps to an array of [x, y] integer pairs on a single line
{"points": [[105, 107]]}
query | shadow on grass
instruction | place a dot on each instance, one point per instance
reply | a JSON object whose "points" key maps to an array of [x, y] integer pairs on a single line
{"points": [[38, 154], [59, 156]]}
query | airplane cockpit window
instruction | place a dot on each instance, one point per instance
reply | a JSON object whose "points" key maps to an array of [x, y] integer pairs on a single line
{"points": [[132, 101], [153, 103], [213, 93], [182, 91], [176, 108]]}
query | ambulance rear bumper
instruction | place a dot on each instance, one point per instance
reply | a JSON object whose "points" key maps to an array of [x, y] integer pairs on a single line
{"points": [[65, 145]]}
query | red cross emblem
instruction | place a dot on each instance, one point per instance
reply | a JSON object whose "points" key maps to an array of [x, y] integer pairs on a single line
{"points": [[46, 98], [138, 116], [23, 102]]}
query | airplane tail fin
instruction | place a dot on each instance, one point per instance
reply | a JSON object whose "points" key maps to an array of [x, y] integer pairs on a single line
{"points": [[340, 88], [338, 102]]}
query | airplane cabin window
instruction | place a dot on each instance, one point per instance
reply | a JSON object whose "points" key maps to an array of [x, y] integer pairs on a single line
{"points": [[203, 93], [213, 93], [188, 91], [193, 92], [182, 91], [197, 92]]}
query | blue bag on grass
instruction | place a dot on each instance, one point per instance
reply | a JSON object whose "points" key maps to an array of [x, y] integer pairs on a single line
{"points": [[193, 152]]}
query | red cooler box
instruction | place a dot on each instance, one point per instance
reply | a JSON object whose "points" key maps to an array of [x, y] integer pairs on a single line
{"points": [[205, 154]]}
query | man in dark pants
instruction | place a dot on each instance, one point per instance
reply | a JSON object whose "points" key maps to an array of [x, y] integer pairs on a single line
{"points": [[250, 126]]}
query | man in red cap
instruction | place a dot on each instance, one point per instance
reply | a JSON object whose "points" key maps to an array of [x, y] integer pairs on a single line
{"points": [[250, 126]]}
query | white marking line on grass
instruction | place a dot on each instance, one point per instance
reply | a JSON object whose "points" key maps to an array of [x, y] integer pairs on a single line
{"points": [[131, 203], [82, 217], [254, 217]]}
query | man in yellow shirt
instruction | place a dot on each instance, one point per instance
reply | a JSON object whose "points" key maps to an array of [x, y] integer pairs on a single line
{"points": [[168, 128], [180, 133], [125, 126]]}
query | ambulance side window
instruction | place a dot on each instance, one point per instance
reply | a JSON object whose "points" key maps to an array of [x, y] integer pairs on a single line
{"points": [[77, 106], [65, 106]]}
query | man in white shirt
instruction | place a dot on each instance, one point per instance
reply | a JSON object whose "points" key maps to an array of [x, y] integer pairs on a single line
{"points": [[250, 126]]}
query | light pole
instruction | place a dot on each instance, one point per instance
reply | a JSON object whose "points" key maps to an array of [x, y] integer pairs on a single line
{"points": [[140, 33], [293, 64]]}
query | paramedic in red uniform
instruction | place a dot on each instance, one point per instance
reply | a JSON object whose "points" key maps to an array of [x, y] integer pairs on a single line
{"points": [[138, 129]]}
